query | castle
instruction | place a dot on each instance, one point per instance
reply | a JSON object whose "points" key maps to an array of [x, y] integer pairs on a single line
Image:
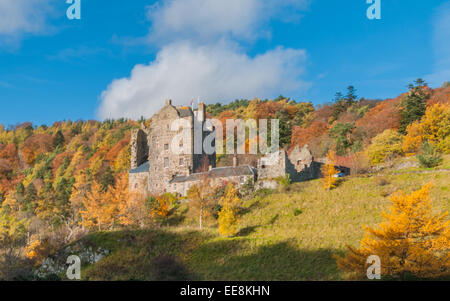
{"points": [[157, 169]]}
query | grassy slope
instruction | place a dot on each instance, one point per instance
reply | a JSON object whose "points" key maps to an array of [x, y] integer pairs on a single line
{"points": [[284, 236]]}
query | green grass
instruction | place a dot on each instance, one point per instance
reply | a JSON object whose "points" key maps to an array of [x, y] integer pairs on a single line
{"points": [[284, 236]]}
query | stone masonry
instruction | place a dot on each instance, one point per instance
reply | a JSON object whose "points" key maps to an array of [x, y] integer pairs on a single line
{"points": [[163, 157]]}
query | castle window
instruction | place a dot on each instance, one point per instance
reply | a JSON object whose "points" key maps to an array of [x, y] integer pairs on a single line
{"points": [[166, 146], [181, 162], [166, 162]]}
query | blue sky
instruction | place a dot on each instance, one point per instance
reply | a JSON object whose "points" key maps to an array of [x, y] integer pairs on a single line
{"points": [[123, 58]]}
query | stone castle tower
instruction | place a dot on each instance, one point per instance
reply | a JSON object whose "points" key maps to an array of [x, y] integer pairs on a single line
{"points": [[154, 163]]}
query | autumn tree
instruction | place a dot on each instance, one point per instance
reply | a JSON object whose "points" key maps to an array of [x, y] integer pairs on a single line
{"points": [[385, 146], [13, 234], [161, 207], [93, 214], [201, 200], [434, 128], [413, 139], [228, 213], [329, 172], [411, 241]]}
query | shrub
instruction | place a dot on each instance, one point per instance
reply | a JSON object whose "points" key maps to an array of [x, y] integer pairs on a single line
{"points": [[385, 146], [429, 157], [297, 212], [284, 181]]}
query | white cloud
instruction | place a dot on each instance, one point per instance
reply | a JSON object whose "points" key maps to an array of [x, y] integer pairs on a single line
{"points": [[205, 20], [201, 56], [183, 71], [18, 17]]}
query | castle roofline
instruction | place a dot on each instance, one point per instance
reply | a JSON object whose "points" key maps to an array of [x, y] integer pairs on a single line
{"points": [[218, 172], [144, 167]]}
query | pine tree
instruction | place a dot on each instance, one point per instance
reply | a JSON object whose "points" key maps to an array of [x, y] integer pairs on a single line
{"points": [[58, 140], [409, 242], [228, 213], [429, 157], [351, 95], [329, 172], [413, 106]]}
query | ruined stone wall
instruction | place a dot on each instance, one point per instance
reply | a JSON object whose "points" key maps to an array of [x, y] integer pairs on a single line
{"points": [[301, 158], [238, 181], [272, 167], [139, 147], [139, 182]]}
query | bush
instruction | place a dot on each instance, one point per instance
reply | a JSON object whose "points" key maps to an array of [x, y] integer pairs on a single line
{"points": [[297, 212], [385, 146], [284, 181], [429, 157]]}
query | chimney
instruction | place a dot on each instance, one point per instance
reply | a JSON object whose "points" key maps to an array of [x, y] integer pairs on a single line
{"points": [[235, 161], [168, 102], [201, 112]]}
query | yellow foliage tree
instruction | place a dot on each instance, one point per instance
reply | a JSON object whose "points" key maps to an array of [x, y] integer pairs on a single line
{"points": [[413, 139], [385, 146], [122, 162], [228, 213], [329, 172], [118, 201], [434, 127], [201, 200], [93, 214], [409, 242], [114, 207]]}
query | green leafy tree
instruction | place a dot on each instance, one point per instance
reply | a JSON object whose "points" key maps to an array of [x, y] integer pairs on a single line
{"points": [[341, 133], [285, 127]]}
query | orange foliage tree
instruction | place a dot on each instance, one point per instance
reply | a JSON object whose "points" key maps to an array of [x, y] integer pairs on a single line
{"points": [[411, 241]]}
